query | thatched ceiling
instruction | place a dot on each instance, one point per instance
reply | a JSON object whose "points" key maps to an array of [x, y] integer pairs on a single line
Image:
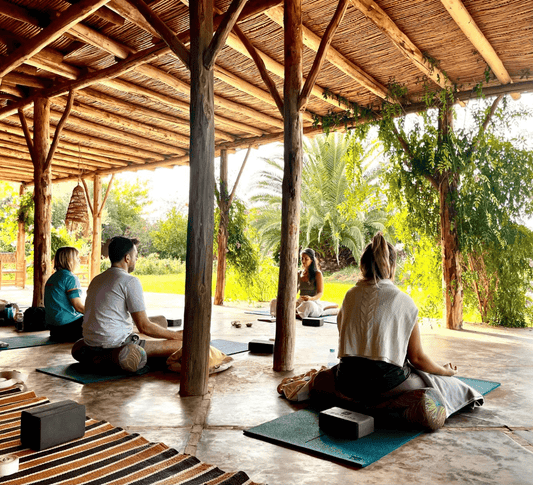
{"points": [[125, 118]]}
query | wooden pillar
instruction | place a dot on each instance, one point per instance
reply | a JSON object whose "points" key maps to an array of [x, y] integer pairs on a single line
{"points": [[96, 249], [292, 181], [21, 249], [199, 262], [223, 205], [42, 197]]}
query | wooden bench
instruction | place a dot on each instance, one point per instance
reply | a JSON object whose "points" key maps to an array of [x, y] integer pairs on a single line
{"points": [[8, 266]]}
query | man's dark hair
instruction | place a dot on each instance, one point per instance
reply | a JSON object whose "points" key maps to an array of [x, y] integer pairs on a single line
{"points": [[119, 247]]}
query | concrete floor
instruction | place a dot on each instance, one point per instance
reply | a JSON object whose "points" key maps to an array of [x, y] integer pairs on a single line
{"points": [[490, 445]]}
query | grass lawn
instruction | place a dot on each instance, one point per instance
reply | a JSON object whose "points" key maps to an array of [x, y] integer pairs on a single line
{"points": [[334, 291]]}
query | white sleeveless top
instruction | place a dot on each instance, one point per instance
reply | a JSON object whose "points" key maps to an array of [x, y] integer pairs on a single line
{"points": [[376, 321]]}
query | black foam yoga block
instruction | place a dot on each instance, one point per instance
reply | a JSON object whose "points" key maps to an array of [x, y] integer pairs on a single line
{"points": [[174, 322], [313, 322], [344, 423], [261, 346], [52, 425]]}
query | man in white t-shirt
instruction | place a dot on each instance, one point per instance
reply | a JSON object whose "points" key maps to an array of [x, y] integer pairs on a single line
{"points": [[108, 333]]}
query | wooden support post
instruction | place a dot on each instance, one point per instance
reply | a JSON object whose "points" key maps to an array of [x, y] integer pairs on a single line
{"points": [[42, 197], [223, 205], [96, 249], [21, 249], [199, 266], [292, 181]]}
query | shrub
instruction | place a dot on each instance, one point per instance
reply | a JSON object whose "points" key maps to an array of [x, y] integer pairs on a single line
{"points": [[261, 285], [152, 265]]}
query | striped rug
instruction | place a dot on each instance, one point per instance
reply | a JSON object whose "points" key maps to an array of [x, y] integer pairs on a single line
{"points": [[104, 456]]}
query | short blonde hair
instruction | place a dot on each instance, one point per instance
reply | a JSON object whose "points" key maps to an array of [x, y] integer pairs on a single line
{"points": [[65, 258]]}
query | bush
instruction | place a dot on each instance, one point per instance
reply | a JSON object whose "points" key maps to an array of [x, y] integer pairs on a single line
{"points": [[261, 285], [420, 276], [152, 265]]}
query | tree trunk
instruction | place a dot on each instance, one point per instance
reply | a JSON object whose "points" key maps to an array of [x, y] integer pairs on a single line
{"points": [[222, 239], [21, 249], [196, 332], [451, 257], [42, 198], [96, 249], [292, 181]]}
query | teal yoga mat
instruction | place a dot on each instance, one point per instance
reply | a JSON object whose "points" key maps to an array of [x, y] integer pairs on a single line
{"points": [[301, 431], [77, 373], [28, 341], [80, 374]]}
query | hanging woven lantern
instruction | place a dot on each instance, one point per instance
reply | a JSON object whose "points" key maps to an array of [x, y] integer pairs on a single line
{"points": [[77, 218]]}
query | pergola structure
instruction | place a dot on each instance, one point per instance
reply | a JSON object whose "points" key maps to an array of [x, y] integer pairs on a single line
{"points": [[95, 87]]}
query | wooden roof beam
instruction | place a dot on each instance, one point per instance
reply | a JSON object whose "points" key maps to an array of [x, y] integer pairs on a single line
{"points": [[170, 38], [182, 124], [383, 22], [122, 51], [261, 68], [106, 14], [148, 146], [467, 24], [175, 103], [52, 61], [254, 7], [126, 123], [218, 41], [341, 62], [220, 101], [28, 164], [279, 70], [114, 151], [59, 159], [123, 8], [73, 15], [322, 52]]}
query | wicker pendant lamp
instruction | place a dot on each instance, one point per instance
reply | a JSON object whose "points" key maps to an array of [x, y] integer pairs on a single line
{"points": [[77, 218]]}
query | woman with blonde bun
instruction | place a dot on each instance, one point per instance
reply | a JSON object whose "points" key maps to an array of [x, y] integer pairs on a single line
{"points": [[382, 362]]}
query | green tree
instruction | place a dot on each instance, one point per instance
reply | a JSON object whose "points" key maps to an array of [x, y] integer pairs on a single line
{"points": [[242, 255], [335, 169], [170, 235], [465, 187], [124, 215], [8, 216]]}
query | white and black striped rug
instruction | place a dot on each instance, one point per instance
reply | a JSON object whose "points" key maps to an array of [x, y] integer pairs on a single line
{"points": [[106, 455]]}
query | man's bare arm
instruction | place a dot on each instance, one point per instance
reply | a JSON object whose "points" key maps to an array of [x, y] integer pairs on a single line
{"points": [[151, 329]]}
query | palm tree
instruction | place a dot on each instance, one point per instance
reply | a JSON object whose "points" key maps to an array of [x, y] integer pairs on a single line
{"points": [[328, 179]]}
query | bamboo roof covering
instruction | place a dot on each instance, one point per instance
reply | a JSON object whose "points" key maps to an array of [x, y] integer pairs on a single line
{"points": [[130, 105]]}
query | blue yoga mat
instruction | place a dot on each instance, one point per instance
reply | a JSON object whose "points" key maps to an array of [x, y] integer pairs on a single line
{"points": [[301, 430], [229, 347], [80, 374], [28, 341]]}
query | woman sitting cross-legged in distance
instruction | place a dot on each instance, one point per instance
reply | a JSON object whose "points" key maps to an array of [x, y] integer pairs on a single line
{"points": [[311, 287], [62, 297], [383, 365]]}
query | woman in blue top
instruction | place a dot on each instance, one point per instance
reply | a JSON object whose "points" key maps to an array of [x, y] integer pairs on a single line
{"points": [[62, 297]]}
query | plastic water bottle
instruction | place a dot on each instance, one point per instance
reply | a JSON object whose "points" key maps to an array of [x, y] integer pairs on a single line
{"points": [[332, 358]]}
